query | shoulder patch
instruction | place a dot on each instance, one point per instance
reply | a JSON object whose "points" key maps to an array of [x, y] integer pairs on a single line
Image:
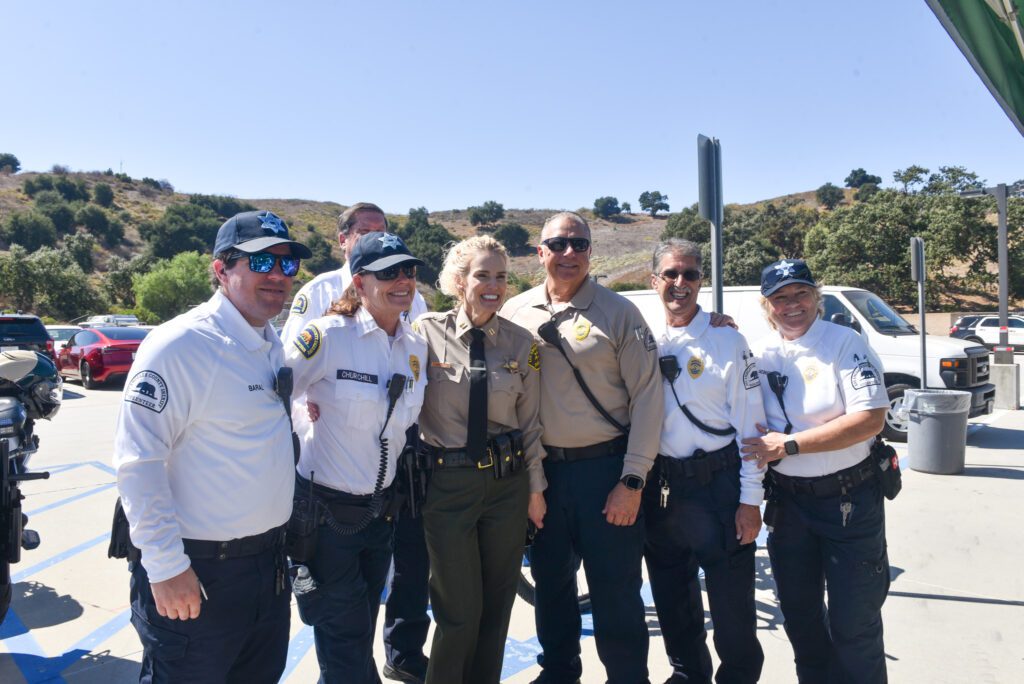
{"points": [[694, 367], [533, 360], [148, 390], [308, 341], [865, 375], [750, 377], [300, 304], [645, 337]]}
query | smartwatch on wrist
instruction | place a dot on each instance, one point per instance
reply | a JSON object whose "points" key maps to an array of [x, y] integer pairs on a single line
{"points": [[633, 482], [792, 448]]}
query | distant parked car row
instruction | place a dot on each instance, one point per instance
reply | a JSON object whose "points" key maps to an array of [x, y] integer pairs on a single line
{"points": [[984, 329], [97, 355]]}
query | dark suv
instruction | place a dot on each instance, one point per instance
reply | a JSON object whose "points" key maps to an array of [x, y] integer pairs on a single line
{"points": [[24, 331]]}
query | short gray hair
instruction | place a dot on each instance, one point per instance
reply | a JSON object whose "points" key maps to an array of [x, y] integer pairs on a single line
{"points": [[678, 246], [571, 217]]}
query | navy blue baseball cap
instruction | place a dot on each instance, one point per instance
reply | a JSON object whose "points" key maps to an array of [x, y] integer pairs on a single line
{"points": [[254, 231], [785, 272], [377, 251]]}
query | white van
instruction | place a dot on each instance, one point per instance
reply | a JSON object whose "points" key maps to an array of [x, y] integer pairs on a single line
{"points": [[952, 363]]}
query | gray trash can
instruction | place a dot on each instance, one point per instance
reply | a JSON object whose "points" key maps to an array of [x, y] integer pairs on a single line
{"points": [[937, 431]]}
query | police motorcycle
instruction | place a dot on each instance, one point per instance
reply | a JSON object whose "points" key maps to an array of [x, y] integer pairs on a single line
{"points": [[30, 390]]}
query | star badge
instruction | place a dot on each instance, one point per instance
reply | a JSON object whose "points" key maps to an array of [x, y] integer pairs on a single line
{"points": [[390, 241], [273, 224], [784, 268]]}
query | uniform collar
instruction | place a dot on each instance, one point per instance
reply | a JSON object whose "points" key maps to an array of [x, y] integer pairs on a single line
{"points": [[464, 325], [701, 322], [811, 337], [236, 327], [365, 324], [582, 300]]}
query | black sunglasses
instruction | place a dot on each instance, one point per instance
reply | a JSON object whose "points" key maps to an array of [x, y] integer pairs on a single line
{"points": [[558, 244], [263, 262], [391, 272], [670, 274]]}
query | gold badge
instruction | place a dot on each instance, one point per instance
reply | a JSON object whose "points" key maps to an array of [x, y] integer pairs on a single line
{"points": [[511, 365], [414, 366], [416, 327], [581, 330], [533, 360], [809, 373], [694, 367]]}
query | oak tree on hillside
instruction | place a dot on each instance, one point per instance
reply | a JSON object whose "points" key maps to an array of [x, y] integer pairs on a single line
{"points": [[17, 278], [30, 229], [910, 176], [182, 228], [606, 207], [322, 260], [103, 194], [9, 163], [859, 177], [427, 241], [829, 195], [487, 214], [172, 286], [653, 201], [513, 236]]}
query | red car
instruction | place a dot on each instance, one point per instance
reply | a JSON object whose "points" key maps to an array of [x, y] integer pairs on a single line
{"points": [[96, 355]]}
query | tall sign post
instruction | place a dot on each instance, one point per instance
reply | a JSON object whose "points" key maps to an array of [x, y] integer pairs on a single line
{"points": [[709, 170], [917, 274]]}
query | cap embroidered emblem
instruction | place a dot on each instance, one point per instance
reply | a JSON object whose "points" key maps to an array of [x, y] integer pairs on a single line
{"points": [[389, 241], [273, 224], [784, 268]]}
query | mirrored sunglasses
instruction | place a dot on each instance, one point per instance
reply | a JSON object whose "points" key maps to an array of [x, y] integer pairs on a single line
{"points": [[263, 262], [670, 275], [391, 272], [558, 244]]}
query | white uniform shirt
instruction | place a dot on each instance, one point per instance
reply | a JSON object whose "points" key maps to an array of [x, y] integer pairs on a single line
{"points": [[718, 384], [832, 372], [316, 296], [344, 364], [203, 448]]}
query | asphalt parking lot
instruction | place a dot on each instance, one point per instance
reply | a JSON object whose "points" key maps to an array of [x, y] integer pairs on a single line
{"points": [[955, 612]]}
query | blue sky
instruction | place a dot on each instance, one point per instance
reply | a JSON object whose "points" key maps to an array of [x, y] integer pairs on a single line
{"points": [[535, 104]]}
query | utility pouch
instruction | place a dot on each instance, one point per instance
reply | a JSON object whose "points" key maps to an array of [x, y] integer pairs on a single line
{"points": [[303, 525], [888, 461], [772, 510], [120, 541]]}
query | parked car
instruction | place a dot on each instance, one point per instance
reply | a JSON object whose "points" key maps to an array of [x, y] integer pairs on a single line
{"points": [[24, 331], [97, 355], [120, 320], [61, 334], [984, 329]]}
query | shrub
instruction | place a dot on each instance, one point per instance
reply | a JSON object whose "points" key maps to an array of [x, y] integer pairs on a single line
{"points": [[30, 229], [103, 194], [9, 163]]}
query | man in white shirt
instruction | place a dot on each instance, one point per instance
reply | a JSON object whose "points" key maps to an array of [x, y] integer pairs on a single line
{"points": [[406, 621], [204, 461], [702, 502]]}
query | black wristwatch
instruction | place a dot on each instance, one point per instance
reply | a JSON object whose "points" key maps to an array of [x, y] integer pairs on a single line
{"points": [[633, 482], [792, 448]]}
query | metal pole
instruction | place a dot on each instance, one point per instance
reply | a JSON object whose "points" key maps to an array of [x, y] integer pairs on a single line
{"points": [[1004, 353], [924, 336], [918, 273]]}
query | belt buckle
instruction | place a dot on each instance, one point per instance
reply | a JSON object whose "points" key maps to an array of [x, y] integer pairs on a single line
{"points": [[490, 459]]}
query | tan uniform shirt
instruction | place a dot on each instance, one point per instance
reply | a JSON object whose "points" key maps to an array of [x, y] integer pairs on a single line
{"points": [[607, 339], [513, 384]]}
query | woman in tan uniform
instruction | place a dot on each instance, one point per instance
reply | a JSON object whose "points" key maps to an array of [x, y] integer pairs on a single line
{"points": [[480, 425]]}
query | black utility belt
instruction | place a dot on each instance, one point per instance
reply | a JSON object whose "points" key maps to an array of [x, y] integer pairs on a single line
{"points": [[504, 455], [701, 465], [613, 447], [346, 508], [202, 549], [826, 486]]}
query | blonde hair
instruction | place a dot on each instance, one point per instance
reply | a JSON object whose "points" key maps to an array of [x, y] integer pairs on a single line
{"points": [[456, 262], [819, 302]]}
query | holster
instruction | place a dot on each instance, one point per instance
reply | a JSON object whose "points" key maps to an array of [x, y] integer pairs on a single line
{"points": [[888, 461], [120, 540], [304, 523], [507, 451], [411, 478], [771, 498]]}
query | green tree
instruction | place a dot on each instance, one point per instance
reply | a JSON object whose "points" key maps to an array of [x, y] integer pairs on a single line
{"points": [[427, 241], [653, 201], [323, 259], [63, 289], [865, 192], [513, 236], [627, 208], [606, 207], [221, 205], [182, 228], [103, 194], [859, 177], [30, 229], [487, 214], [38, 184], [71, 189], [910, 176], [50, 204], [171, 287], [689, 225], [9, 163], [952, 179], [829, 195], [118, 282], [18, 278], [80, 246]]}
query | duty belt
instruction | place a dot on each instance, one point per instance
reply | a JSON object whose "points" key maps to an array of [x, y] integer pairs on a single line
{"points": [[504, 455], [701, 465], [613, 447], [827, 485], [235, 548]]}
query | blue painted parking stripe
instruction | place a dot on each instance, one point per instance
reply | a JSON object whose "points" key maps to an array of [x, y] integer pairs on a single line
{"points": [[71, 499], [25, 651], [62, 556], [297, 649]]}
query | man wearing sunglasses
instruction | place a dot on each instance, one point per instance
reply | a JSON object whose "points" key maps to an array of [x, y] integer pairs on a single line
{"points": [[204, 460], [702, 504], [406, 621], [600, 442]]}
